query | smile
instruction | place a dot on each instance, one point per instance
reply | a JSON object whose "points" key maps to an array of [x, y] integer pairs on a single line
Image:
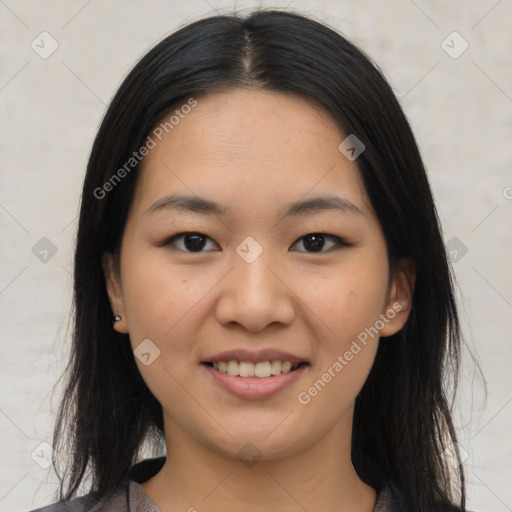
{"points": [[262, 369], [251, 381]]}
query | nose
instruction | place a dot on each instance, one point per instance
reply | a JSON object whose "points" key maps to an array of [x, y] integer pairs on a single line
{"points": [[254, 296]]}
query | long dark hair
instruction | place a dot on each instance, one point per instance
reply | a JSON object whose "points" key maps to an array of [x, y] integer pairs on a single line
{"points": [[402, 421]]}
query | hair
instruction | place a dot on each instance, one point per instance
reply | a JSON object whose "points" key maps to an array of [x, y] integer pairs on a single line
{"points": [[402, 419]]}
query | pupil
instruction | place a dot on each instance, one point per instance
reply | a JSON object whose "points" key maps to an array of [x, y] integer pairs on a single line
{"points": [[314, 242], [194, 242]]}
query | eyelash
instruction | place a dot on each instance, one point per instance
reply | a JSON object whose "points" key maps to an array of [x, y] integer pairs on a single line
{"points": [[338, 241]]}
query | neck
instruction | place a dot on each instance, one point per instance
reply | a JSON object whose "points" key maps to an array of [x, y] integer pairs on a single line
{"points": [[318, 478]]}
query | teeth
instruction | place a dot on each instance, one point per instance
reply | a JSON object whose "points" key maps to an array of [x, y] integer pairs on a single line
{"points": [[262, 369], [275, 367], [246, 369], [232, 368]]}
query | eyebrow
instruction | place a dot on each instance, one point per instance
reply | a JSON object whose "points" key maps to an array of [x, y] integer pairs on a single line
{"points": [[198, 204]]}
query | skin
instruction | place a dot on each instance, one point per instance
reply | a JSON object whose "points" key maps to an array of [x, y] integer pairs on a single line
{"points": [[255, 152]]}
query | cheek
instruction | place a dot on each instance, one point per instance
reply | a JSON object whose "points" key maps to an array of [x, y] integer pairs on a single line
{"points": [[164, 303], [350, 306], [160, 296], [349, 299], [349, 302]]}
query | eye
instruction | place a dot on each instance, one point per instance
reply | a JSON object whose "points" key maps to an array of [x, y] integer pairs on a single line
{"points": [[191, 242], [320, 242]]}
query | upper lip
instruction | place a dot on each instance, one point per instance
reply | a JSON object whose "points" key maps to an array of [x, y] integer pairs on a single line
{"points": [[253, 356]]}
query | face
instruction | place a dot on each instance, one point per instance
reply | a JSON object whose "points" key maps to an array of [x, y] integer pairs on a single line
{"points": [[251, 238]]}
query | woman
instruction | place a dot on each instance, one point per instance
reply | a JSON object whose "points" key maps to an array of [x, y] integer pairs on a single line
{"points": [[260, 283]]}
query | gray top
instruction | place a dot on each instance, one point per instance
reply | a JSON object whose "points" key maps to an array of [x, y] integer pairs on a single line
{"points": [[128, 496]]}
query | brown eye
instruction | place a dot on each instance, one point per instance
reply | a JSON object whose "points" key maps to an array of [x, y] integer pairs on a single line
{"points": [[191, 242], [320, 242]]}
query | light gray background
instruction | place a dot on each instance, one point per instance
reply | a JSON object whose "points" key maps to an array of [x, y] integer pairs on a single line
{"points": [[460, 109]]}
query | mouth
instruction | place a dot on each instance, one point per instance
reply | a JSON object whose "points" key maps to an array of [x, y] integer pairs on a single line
{"points": [[254, 381], [259, 370]]}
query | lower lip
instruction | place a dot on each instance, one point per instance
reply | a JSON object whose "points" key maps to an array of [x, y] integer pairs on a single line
{"points": [[252, 388]]}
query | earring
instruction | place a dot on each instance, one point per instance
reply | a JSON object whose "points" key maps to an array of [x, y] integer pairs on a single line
{"points": [[117, 318]]}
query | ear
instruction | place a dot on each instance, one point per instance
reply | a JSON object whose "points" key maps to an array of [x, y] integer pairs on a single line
{"points": [[114, 291], [399, 297]]}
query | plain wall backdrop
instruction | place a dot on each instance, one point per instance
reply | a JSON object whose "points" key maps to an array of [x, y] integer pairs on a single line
{"points": [[61, 63]]}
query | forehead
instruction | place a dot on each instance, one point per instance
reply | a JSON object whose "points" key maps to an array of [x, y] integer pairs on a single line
{"points": [[248, 145]]}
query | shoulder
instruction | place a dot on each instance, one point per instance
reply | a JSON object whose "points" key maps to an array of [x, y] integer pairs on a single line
{"points": [[115, 501], [128, 495]]}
